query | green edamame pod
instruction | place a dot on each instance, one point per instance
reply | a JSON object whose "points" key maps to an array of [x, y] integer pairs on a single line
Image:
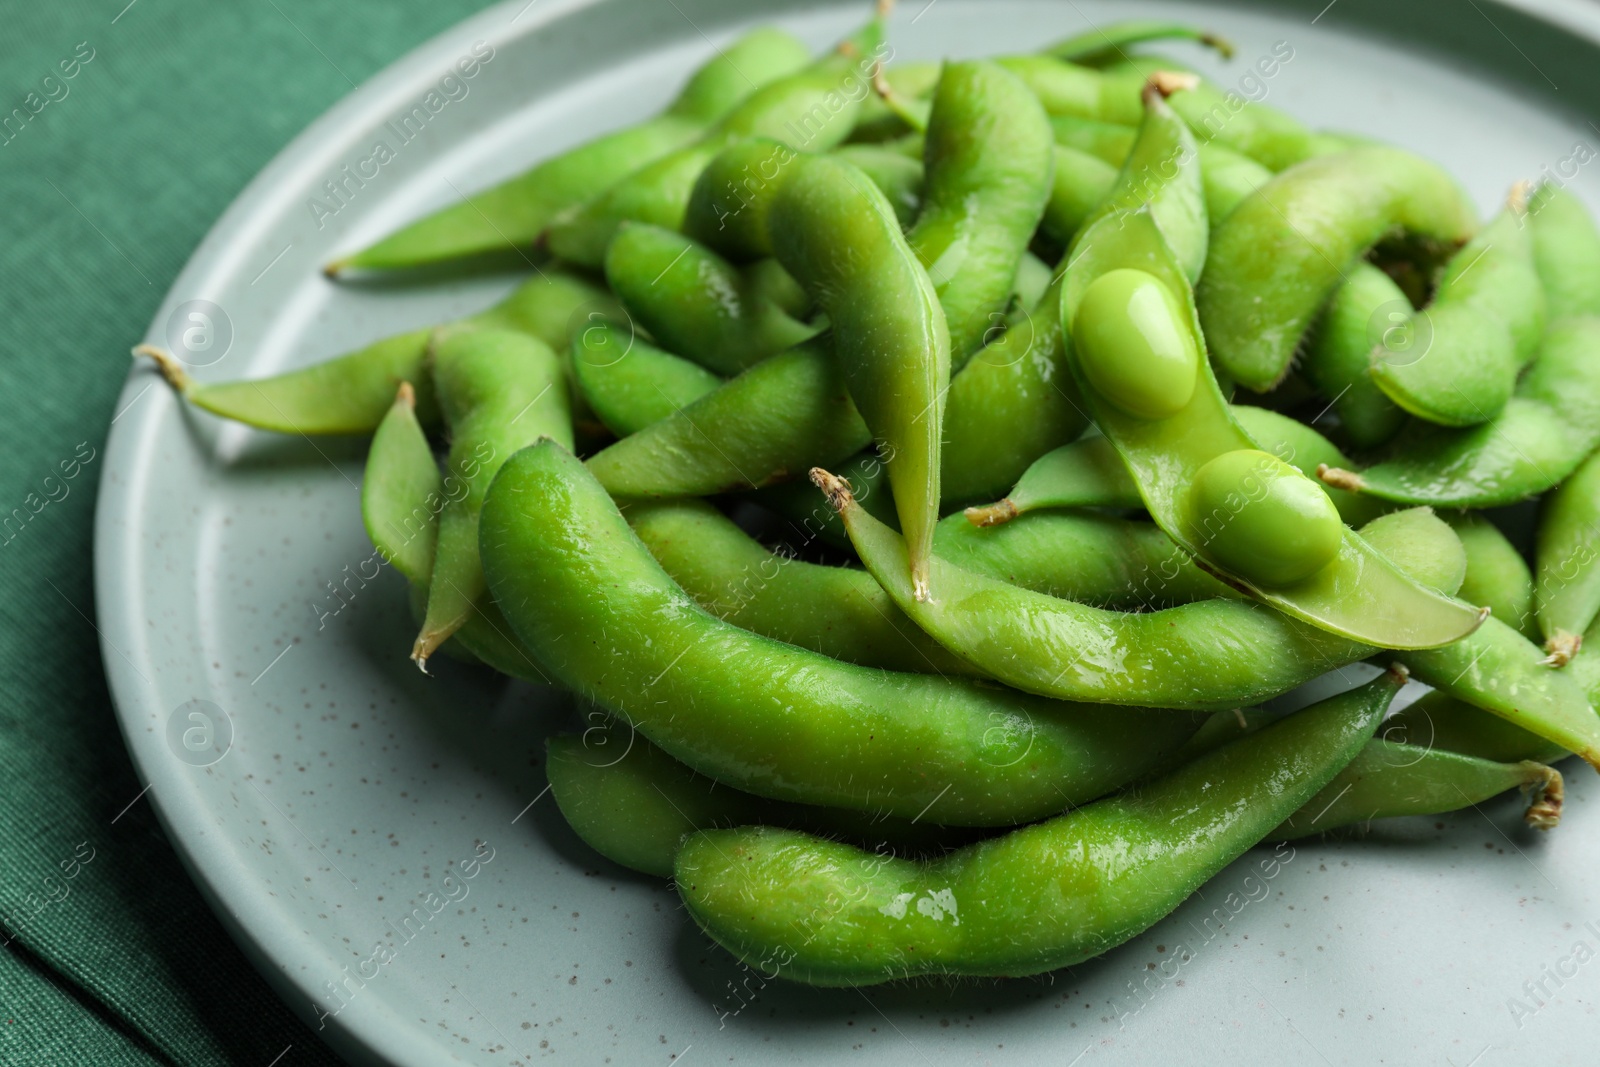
{"points": [[833, 230], [1482, 327], [756, 429], [988, 158], [1080, 182], [694, 302], [630, 384], [1114, 563], [402, 494], [1197, 469], [1367, 312], [1569, 575], [878, 122], [813, 110], [1388, 780], [1162, 169], [1109, 142], [585, 596], [731, 199], [1566, 251], [1104, 44], [1068, 90], [350, 394], [900, 177], [1032, 900], [514, 213], [1229, 178], [499, 391], [1551, 423], [1277, 256], [1442, 722], [1497, 575], [634, 808], [837, 611]]}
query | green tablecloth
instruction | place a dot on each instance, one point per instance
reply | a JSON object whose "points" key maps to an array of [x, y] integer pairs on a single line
{"points": [[108, 179]]}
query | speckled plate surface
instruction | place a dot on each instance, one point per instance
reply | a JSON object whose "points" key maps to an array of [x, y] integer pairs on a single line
{"points": [[382, 844]]}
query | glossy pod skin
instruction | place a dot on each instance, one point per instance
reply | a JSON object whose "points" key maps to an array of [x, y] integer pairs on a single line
{"points": [[694, 303], [1353, 591], [512, 215], [1568, 587], [812, 110], [1497, 576], [755, 430], [1340, 347], [1032, 900], [587, 599], [1566, 252], [1550, 424], [1275, 259], [629, 383], [350, 394], [1482, 327], [988, 156], [499, 391]]}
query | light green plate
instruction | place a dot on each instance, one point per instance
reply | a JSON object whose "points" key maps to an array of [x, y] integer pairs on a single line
{"points": [[351, 787]]}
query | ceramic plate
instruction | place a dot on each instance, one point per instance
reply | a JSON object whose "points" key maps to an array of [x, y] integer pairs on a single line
{"points": [[382, 845]]}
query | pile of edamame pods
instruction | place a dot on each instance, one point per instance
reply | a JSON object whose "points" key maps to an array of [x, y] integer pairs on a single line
{"points": [[926, 471]]}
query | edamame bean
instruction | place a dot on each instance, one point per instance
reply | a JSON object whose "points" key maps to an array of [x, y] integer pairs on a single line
{"points": [[1566, 251], [1367, 312], [512, 215], [499, 390], [1133, 346], [1569, 575], [1550, 424], [814, 108], [1286, 528], [1032, 900], [988, 158], [1482, 327], [1359, 594], [756, 429], [1275, 259], [584, 595], [350, 394], [694, 302], [630, 384]]}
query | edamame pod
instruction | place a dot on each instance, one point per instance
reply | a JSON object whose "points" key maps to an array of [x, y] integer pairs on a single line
{"points": [[1229, 178], [1482, 327], [630, 384], [1275, 259], [988, 156], [1035, 899], [1566, 251], [350, 394], [1298, 557], [900, 177], [833, 230], [1080, 182], [694, 302], [1388, 780], [499, 391], [512, 215], [1109, 142], [1551, 423], [1368, 312], [585, 596], [1497, 575], [1440, 722], [756, 429], [1569, 575], [813, 110], [1104, 44]]}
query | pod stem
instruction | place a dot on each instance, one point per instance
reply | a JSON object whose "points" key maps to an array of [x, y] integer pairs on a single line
{"points": [[170, 368], [1001, 511], [1340, 478], [835, 488], [1562, 647], [1164, 83], [1548, 792]]}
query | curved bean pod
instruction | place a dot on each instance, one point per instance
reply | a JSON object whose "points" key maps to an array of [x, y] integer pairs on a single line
{"points": [[630, 384], [514, 213], [1566, 252], [1483, 326], [1034, 899], [1497, 575], [1569, 573], [1278, 255], [1364, 308], [585, 596], [1104, 44], [1350, 590], [1080, 182], [695, 303], [499, 392], [1550, 424]]}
